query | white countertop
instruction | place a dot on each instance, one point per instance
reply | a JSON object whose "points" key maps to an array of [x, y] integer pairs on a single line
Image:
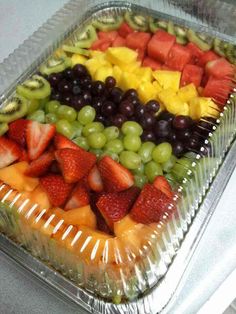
{"points": [[213, 261]]}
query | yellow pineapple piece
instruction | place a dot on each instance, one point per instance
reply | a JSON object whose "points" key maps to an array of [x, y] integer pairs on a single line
{"points": [[121, 55], [147, 91], [144, 73], [131, 67], [93, 64], [168, 79], [173, 102], [202, 107], [97, 54], [186, 93], [117, 74], [157, 86], [128, 80], [102, 73], [78, 59]]}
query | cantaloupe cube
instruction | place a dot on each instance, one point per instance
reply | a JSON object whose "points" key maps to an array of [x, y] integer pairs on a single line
{"points": [[186, 93], [168, 79], [38, 196]]}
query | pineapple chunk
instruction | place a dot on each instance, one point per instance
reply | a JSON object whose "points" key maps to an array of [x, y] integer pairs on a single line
{"points": [[131, 67], [121, 55], [97, 54], [173, 102], [128, 80], [147, 91], [202, 107], [102, 73], [76, 59], [157, 86], [144, 73], [93, 64], [117, 74], [187, 92], [168, 79]]}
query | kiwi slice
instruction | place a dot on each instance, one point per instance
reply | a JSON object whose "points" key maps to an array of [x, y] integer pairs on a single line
{"points": [[3, 128], [35, 88], [55, 65], [136, 21], [181, 40], [13, 109], [108, 23], [202, 41], [180, 31], [219, 47], [155, 24], [86, 37], [74, 49], [171, 28], [231, 53]]}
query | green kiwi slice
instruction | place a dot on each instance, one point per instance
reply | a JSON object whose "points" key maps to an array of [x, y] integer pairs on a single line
{"points": [[35, 88], [155, 24], [137, 21], [108, 23], [13, 109], [3, 128], [181, 40], [231, 53], [202, 41], [171, 28], [55, 65], [74, 49], [86, 37], [180, 31], [219, 47]]}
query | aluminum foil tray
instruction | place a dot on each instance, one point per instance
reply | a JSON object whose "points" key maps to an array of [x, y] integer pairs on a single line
{"points": [[148, 278]]}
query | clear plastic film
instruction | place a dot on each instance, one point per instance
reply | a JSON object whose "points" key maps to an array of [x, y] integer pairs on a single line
{"points": [[119, 270]]}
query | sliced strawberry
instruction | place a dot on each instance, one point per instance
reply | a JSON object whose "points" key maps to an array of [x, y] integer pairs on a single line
{"points": [[60, 142], [151, 205], [38, 137], [101, 223], [56, 188], [163, 185], [74, 164], [95, 180], [114, 206], [124, 30], [115, 177], [17, 131], [40, 166], [78, 198], [24, 155], [9, 151]]}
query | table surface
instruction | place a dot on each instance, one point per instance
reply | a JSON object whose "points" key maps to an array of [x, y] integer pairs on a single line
{"points": [[213, 261]]}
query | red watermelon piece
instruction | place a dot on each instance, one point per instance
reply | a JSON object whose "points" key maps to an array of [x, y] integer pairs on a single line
{"points": [[138, 40], [191, 74], [153, 64], [124, 30], [178, 57], [218, 90], [111, 35], [101, 44], [119, 42], [220, 68], [196, 53], [206, 57]]}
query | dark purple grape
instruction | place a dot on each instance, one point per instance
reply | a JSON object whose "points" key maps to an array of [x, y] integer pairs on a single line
{"points": [[135, 101], [126, 108], [116, 95], [76, 90], [102, 119], [139, 111], [67, 99], [118, 120], [98, 88], [68, 74], [78, 102], [160, 140], [97, 104], [130, 93], [178, 148], [172, 137], [162, 128], [147, 121], [148, 136], [54, 79], [110, 82], [86, 82], [79, 70], [184, 135], [192, 144], [87, 97], [75, 82], [55, 95], [152, 106], [64, 87], [165, 115], [182, 122], [108, 108]]}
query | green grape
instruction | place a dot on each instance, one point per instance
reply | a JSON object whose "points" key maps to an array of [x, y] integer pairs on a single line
{"points": [[93, 127], [82, 142], [162, 152], [52, 106], [131, 128], [114, 156], [182, 168], [51, 118], [140, 169], [3, 128], [96, 151], [152, 169], [115, 146], [130, 160], [169, 164], [97, 140], [65, 128], [145, 151], [86, 115], [111, 133], [140, 180], [66, 112], [38, 115], [77, 127], [132, 142], [33, 105]]}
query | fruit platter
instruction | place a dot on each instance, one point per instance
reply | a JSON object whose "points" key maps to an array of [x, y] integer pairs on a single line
{"points": [[109, 144]]}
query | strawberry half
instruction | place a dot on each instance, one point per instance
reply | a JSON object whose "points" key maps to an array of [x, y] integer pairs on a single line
{"points": [[114, 206], [95, 180], [163, 185], [9, 151], [56, 188], [38, 137], [17, 131], [78, 198], [115, 177], [60, 142], [74, 164], [151, 205], [40, 166]]}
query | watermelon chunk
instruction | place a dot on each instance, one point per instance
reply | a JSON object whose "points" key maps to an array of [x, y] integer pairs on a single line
{"points": [[218, 90], [101, 44], [111, 35], [124, 30], [196, 53], [178, 57], [220, 68], [206, 57], [119, 42], [138, 40], [151, 63], [191, 74], [160, 45]]}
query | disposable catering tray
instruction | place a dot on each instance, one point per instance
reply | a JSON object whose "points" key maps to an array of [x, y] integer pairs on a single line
{"points": [[106, 276]]}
